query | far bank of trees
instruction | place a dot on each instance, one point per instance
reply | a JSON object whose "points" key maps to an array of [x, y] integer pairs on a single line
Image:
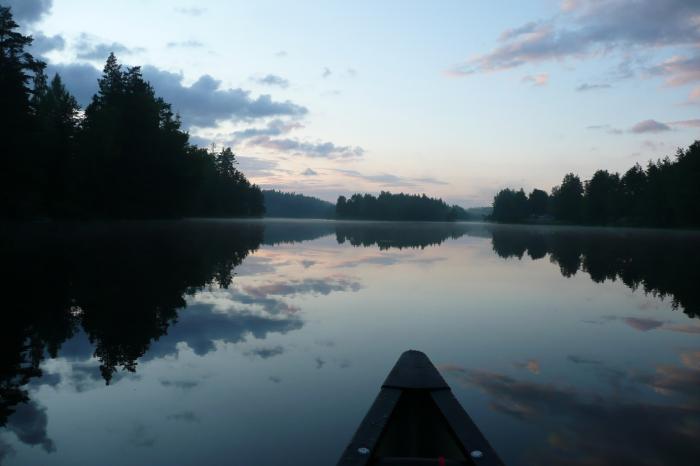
{"points": [[664, 194], [294, 205], [124, 156], [388, 206]]}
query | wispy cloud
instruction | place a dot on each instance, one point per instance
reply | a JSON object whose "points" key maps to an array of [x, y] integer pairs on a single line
{"points": [[592, 87], [185, 44], [272, 80], [537, 80], [649, 126], [191, 11], [89, 47], [591, 27]]}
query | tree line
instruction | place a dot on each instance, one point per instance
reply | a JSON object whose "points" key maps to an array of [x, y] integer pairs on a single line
{"points": [[123, 156], [294, 205], [388, 206], [664, 194]]}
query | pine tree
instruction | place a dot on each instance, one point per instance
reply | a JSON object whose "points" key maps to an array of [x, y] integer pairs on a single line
{"points": [[18, 193]]}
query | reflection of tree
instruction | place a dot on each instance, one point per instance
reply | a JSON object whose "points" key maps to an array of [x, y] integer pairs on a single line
{"points": [[662, 264], [389, 235], [123, 284]]}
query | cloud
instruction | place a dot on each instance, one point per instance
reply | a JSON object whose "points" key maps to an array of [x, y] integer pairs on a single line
{"points": [[694, 96], [537, 80], [319, 149], [254, 166], [87, 48], [608, 129], [276, 127], [592, 27], [205, 103], [649, 126], [326, 72], [28, 11], [678, 70], [43, 44], [266, 353], [272, 80], [387, 179], [592, 87], [191, 11], [309, 172], [686, 123], [185, 44], [79, 78]]}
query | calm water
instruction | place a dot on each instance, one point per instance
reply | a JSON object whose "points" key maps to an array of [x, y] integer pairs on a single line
{"points": [[264, 343]]}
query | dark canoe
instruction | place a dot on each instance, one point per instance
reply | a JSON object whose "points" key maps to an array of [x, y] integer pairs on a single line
{"points": [[416, 420]]}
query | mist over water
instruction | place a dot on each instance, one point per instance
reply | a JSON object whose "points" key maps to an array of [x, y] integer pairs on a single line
{"points": [[265, 342]]}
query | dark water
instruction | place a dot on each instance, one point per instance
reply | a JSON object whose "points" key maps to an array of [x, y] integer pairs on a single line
{"points": [[264, 343]]}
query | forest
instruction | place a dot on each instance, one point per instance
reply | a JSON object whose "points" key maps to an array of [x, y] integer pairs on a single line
{"points": [[123, 156], [664, 194], [293, 205], [388, 206]]}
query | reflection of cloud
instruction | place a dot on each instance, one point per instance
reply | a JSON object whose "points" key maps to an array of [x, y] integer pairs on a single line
{"points": [[6, 450], [140, 436], [642, 324], [322, 286], [691, 359], [28, 423], [533, 365], [579, 360], [683, 328], [266, 353], [181, 384], [199, 326], [388, 260], [586, 430], [184, 416]]}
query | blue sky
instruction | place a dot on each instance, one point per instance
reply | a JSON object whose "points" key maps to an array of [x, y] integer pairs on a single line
{"points": [[453, 98]]}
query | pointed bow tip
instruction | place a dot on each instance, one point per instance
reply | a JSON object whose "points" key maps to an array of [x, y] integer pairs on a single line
{"points": [[414, 371]]}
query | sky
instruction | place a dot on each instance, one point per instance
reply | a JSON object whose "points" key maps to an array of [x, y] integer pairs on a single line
{"points": [[453, 98]]}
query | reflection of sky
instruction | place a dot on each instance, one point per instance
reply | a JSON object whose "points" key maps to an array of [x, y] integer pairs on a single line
{"points": [[548, 366]]}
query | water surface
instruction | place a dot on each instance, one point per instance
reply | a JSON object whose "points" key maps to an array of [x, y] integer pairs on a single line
{"points": [[265, 342]]}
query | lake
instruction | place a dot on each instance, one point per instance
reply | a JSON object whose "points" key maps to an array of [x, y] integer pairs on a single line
{"points": [[265, 342]]}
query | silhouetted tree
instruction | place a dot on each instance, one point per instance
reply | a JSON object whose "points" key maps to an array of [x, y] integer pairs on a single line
{"points": [[56, 131], [19, 193], [388, 206], [663, 195], [603, 198], [293, 205], [538, 202], [510, 206], [567, 199]]}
